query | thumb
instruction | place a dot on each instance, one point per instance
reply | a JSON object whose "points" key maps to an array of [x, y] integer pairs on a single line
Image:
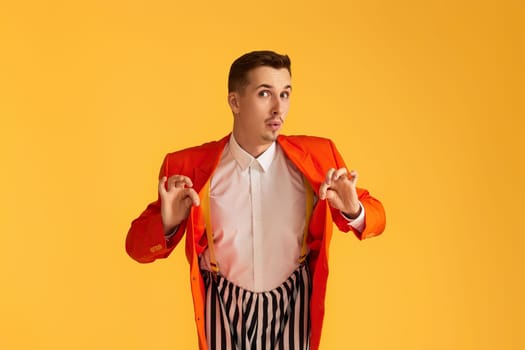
{"points": [[162, 186], [353, 176]]}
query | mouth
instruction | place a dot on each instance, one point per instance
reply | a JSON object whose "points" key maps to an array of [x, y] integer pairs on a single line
{"points": [[274, 124]]}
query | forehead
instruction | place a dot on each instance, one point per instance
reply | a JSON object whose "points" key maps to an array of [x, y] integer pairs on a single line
{"points": [[277, 78]]}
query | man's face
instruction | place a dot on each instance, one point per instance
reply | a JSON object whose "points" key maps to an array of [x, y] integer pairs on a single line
{"points": [[260, 108]]}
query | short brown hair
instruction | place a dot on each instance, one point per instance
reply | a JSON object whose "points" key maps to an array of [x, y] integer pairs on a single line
{"points": [[238, 77]]}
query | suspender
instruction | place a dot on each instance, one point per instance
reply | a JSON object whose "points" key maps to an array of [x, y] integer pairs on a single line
{"points": [[309, 194], [209, 233], [309, 206]]}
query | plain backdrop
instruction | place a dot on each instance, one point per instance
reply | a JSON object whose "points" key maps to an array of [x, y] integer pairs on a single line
{"points": [[423, 98]]}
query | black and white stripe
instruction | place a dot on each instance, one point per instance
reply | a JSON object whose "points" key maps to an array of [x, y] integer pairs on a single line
{"points": [[240, 319]]}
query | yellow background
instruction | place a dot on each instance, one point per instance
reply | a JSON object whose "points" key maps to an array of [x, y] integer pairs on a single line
{"points": [[424, 98]]}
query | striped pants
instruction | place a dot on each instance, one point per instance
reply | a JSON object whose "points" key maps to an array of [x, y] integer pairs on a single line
{"points": [[240, 319]]}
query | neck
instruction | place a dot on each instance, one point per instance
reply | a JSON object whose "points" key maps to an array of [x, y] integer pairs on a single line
{"points": [[254, 149]]}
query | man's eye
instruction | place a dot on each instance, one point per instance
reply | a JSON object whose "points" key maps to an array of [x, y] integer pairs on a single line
{"points": [[264, 93], [285, 94]]}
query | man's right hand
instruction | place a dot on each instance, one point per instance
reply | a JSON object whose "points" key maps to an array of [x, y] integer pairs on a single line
{"points": [[176, 196]]}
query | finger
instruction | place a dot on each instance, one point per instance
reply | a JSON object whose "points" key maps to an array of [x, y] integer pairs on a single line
{"points": [[338, 173], [326, 184], [353, 176], [322, 190], [171, 182], [331, 197], [187, 202], [193, 196], [162, 185], [329, 175], [187, 181], [179, 181]]}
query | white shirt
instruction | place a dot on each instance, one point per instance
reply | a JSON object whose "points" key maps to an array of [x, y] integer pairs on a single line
{"points": [[257, 208]]}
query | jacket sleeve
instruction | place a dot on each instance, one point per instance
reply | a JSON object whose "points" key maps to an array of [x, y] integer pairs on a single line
{"points": [[374, 212], [145, 241]]}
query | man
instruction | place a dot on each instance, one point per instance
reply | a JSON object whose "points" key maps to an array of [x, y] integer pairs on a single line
{"points": [[258, 244]]}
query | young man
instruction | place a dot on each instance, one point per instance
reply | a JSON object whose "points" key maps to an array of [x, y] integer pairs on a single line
{"points": [[257, 209]]}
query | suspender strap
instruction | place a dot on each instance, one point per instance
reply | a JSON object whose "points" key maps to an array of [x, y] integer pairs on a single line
{"points": [[309, 193], [209, 233], [205, 202]]}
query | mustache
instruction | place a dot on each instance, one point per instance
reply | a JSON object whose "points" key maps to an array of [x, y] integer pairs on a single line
{"points": [[280, 119]]}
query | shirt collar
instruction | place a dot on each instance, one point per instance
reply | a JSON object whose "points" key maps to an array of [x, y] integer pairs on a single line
{"points": [[244, 159]]}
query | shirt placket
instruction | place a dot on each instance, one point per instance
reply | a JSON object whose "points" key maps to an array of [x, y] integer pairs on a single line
{"points": [[257, 234]]}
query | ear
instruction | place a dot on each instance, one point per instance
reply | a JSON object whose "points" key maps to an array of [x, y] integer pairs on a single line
{"points": [[233, 101]]}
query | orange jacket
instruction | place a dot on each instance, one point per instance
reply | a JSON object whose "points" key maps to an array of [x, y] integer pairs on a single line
{"points": [[313, 156]]}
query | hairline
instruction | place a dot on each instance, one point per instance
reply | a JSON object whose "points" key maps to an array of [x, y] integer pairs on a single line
{"points": [[246, 82]]}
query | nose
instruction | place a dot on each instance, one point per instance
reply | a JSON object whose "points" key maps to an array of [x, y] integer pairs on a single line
{"points": [[277, 107]]}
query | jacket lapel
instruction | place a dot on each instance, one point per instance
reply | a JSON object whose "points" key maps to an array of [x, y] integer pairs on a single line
{"points": [[303, 161], [207, 165], [293, 150]]}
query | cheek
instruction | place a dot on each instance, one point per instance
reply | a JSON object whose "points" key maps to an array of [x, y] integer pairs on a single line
{"points": [[257, 109], [286, 108]]}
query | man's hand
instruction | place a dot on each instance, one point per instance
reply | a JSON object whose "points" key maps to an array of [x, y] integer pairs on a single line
{"points": [[339, 189], [176, 196]]}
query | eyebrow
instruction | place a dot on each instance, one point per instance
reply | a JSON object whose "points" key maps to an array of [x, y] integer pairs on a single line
{"points": [[270, 87]]}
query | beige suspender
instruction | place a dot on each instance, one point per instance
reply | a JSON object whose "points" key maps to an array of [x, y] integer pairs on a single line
{"points": [[309, 206], [309, 194], [209, 233]]}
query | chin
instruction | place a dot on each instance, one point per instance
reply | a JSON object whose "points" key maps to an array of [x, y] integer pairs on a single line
{"points": [[271, 137]]}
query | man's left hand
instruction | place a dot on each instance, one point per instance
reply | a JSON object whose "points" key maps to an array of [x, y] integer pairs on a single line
{"points": [[339, 189]]}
